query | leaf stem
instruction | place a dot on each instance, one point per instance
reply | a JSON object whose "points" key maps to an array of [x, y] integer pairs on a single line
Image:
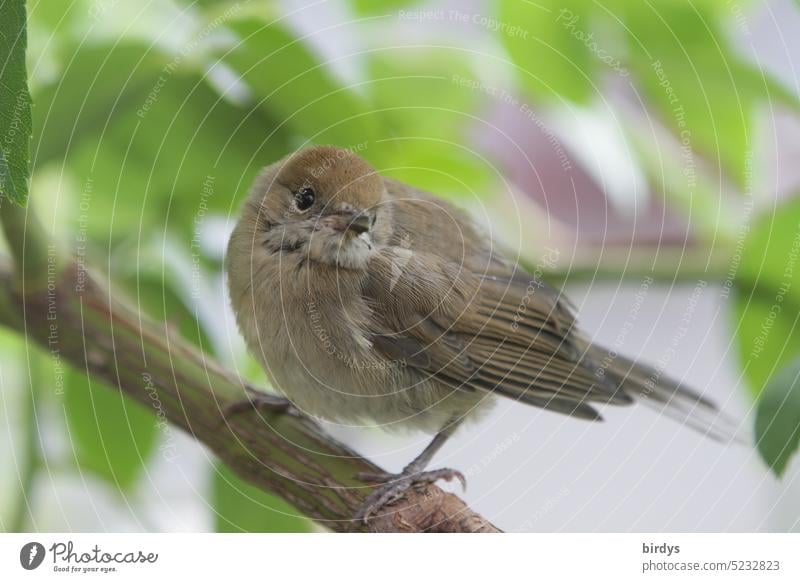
{"points": [[660, 264]]}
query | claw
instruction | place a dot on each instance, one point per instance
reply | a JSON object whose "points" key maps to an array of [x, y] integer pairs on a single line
{"points": [[394, 485], [447, 475]]}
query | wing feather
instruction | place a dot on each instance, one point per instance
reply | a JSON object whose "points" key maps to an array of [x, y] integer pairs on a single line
{"points": [[469, 332]]}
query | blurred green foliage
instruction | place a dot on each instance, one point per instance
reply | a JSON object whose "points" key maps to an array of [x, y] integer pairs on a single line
{"points": [[110, 434], [381, 7], [692, 74], [767, 303], [160, 122], [291, 85], [778, 418], [553, 61], [767, 318], [240, 507]]}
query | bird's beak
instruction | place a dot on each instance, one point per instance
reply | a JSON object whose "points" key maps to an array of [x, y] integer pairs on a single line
{"points": [[359, 223]]}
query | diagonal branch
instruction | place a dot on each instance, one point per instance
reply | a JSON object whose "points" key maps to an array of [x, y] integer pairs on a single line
{"points": [[279, 450]]}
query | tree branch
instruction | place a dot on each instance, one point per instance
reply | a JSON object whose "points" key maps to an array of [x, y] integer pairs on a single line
{"points": [[280, 450]]}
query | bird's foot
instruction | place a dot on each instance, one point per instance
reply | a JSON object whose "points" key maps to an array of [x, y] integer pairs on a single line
{"points": [[395, 485], [258, 401]]}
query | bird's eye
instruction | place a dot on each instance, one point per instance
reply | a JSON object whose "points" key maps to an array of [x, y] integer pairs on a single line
{"points": [[304, 198]]}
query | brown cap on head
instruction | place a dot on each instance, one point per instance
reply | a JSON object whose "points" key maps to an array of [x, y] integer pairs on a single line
{"points": [[337, 175]]}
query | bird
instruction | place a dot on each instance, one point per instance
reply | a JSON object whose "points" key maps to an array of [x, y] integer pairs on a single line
{"points": [[369, 300]]}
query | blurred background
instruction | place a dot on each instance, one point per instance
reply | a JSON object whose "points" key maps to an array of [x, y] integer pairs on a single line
{"points": [[645, 155]]}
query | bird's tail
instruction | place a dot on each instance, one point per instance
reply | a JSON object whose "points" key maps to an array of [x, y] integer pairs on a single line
{"points": [[654, 388]]}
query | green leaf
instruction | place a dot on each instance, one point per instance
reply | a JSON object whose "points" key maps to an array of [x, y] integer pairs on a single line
{"points": [[374, 7], [547, 46], [766, 334], [59, 16], [778, 418], [767, 301], [112, 435], [686, 66], [101, 85], [424, 90], [292, 85], [440, 166], [15, 103], [429, 101], [155, 146], [240, 507]]}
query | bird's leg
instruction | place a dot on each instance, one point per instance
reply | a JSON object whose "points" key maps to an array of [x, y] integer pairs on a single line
{"points": [[394, 485]]}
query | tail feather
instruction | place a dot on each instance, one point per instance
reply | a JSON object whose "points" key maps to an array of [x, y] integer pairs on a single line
{"points": [[655, 389]]}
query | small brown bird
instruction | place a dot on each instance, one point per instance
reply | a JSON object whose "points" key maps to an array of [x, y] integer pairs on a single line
{"points": [[368, 300]]}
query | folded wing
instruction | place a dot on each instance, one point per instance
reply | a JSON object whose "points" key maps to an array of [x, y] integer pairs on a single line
{"points": [[510, 335]]}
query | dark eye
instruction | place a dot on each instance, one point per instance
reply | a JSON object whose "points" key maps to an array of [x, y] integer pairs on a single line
{"points": [[304, 198]]}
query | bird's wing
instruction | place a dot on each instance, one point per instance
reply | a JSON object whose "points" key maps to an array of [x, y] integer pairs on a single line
{"points": [[507, 334], [508, 331]]}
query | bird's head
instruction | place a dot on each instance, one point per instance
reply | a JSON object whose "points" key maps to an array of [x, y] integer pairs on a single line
{"points": [[323, 202]]}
